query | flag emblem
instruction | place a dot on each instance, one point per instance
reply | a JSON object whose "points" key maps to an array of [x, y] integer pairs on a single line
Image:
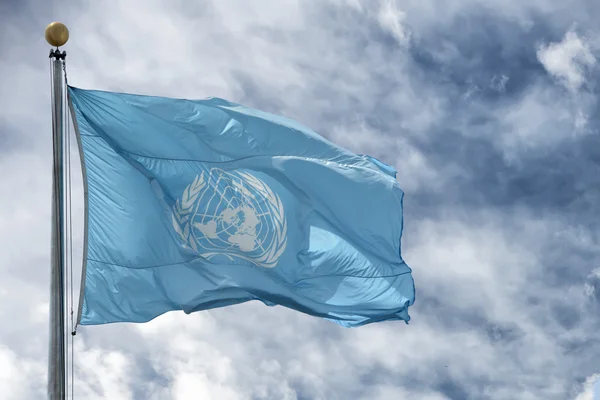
{"points": [[231, 217]]}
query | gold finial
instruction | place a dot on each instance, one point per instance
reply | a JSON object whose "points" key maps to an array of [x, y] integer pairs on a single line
{"points": [[57, 34]]}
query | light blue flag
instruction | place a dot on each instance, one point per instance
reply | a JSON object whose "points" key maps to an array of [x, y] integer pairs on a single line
{"points": [[193, 205]]}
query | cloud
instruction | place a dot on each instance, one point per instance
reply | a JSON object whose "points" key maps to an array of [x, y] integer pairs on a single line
{"points": [[541, 119], [103, 374], [587, 392], [20, 376], [568, 60], [391, 19], [498, 83]]}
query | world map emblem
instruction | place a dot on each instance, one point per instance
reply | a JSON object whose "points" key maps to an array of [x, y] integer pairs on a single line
{"points": [[231, 215]]}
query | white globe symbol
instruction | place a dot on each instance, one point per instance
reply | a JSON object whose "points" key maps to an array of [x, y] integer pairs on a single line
{"points": [[232, 215], [239, 224]]}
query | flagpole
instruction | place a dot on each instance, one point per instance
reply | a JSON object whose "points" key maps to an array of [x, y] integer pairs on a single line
{"points": [[57, 35]]}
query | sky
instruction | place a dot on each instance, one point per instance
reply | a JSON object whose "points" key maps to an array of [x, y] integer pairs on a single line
{"points": [[487, 109]]}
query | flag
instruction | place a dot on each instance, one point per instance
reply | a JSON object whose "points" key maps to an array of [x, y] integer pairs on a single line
{"points": [[193, 205]]}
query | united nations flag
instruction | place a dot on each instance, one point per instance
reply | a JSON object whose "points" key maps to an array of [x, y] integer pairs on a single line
{"points": [[192, 205]]}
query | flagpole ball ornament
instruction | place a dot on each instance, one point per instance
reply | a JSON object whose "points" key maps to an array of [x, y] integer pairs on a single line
{"points": [[57, 34]]}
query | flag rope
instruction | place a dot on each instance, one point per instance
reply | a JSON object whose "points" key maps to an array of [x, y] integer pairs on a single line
{"points": [[70, 342]]}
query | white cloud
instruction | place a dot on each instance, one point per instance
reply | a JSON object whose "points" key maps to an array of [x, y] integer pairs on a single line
{"points": [[20, 377], [587, 392], [392, 18], [540, 118], [568, 60], [498, 83], [103, 374]]}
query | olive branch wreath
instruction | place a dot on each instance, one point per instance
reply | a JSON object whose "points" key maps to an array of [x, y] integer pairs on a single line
{"points": [[183, 209]]}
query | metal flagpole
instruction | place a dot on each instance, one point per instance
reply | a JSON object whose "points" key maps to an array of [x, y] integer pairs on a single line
{"points": [[57, 35]]}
